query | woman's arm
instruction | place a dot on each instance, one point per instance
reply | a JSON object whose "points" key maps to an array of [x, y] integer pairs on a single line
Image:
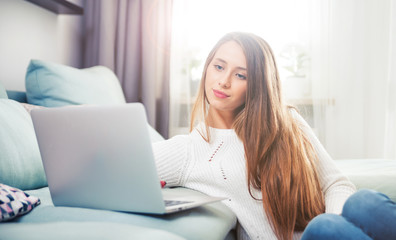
{"points": [[335, 185], [171, 157]]}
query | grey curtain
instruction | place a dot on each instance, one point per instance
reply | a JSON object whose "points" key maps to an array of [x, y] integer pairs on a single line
{"points": [[132, 37]]}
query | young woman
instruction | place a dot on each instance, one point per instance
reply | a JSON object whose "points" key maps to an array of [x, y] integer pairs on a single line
{"points": [[248, 145]]}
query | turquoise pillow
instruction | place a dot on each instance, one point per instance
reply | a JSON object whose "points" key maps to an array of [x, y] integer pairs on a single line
{"points": [[20, 160], [53, 85], [3, 92]]}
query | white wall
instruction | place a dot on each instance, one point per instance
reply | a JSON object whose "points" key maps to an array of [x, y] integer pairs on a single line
{"points": [[28, 31]]}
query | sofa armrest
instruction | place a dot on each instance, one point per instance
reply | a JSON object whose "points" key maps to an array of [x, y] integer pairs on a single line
{"points": [[376, 174]]}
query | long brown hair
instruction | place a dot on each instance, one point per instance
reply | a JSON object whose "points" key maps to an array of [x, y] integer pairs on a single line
{"points": [[280, 160]]}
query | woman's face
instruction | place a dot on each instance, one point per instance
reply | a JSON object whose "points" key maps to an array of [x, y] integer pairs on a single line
{"points": [[226, 78]]}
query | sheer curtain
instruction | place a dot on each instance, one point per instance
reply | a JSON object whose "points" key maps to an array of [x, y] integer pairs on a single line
{"points": [[351, 71], [336, 59], [390, 126]]}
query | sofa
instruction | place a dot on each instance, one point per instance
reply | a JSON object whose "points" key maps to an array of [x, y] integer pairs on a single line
{"points": [[54, 85]]}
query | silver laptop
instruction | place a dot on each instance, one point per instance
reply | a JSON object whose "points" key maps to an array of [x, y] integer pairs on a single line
{"points": [[101, 157]]}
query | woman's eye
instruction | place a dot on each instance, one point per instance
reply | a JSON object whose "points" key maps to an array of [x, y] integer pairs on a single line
{"points": [[218, 67], [240, 76]]}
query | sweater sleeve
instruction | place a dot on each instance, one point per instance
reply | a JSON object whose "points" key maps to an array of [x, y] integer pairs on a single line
{"points": [[171, 157], [334, 184]]}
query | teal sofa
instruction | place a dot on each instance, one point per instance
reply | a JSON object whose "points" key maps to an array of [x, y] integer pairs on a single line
{"points": [[52, 85]]}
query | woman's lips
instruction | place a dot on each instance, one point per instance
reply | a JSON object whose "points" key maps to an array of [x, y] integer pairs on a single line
{"points": [[220, 94]]}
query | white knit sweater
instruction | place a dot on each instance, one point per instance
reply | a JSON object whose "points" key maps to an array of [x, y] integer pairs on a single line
{"points": [[218, 169]]}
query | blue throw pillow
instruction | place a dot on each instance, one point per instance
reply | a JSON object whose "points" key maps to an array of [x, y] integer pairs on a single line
{"points": [[53, 85], [20, 160]]}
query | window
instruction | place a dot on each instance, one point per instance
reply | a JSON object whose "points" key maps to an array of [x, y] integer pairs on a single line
{"points": [[198, 25]]}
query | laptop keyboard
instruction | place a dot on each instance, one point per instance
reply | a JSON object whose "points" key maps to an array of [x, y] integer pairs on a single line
{"points": [[169, 203]]}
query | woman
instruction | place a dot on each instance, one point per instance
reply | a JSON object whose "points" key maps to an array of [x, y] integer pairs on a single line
{"points": [[248, 145]]}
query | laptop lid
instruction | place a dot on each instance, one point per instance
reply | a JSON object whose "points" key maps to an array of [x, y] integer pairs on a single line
{"points": [[99, 157]]}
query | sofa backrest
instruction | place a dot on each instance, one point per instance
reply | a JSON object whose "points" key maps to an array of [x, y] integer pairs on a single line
{"points": [[18, 96]]}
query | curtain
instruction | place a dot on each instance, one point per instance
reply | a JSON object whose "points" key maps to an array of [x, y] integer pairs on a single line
{"points": [[132, 37]]}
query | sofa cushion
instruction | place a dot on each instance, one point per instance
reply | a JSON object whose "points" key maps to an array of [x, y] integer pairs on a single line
{"points": [[51, 85], [188, 224], [82, 231], [20, 161], [3, 92]]}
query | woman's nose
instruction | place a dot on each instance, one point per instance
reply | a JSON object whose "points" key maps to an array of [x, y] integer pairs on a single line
{"points": [[225, 81]]}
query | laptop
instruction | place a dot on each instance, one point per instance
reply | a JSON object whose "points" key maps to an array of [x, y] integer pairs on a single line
{"points": [[101, 157]]}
